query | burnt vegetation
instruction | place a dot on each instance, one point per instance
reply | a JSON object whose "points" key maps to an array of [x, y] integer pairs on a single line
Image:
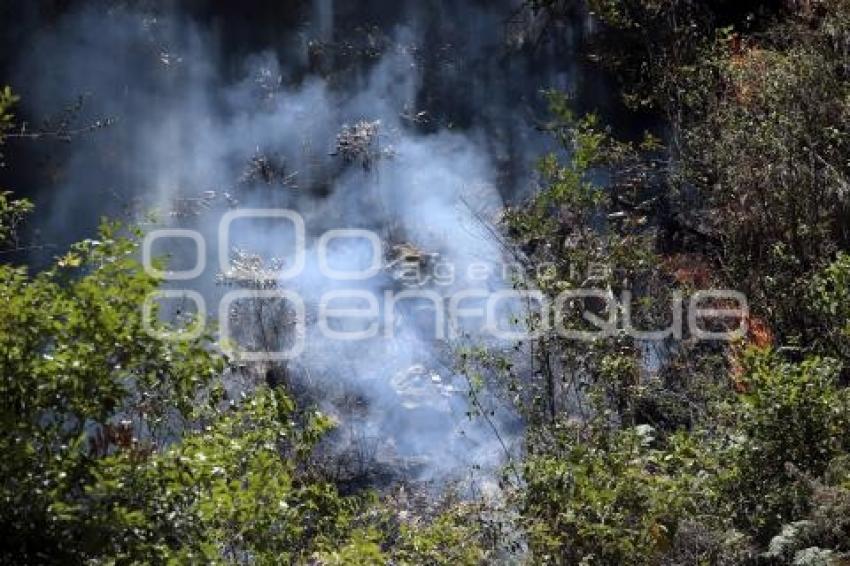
{"points": [[123, 446]]}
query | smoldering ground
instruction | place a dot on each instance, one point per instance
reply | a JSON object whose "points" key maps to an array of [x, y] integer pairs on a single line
{"points": [[214, 112]]}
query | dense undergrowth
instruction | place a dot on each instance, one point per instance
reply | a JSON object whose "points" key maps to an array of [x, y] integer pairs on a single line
{"points": [[673, 451]]}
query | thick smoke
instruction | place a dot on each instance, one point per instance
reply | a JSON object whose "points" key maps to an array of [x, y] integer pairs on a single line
{"points": [[200, 131]]}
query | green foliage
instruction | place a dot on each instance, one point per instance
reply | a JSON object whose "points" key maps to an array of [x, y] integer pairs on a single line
{"points": [[12, 212], [79, 378], [829, 299], [795, 420], [229, 491], [7, 118], [757, 100], [745, 442], [118, 448], [363, 548], [599, 493], [774, 169], [652, 45], [599, 496], [453, 537]]}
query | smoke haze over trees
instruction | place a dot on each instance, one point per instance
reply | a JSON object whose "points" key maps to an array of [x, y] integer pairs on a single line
{"points": [[611, 160]]}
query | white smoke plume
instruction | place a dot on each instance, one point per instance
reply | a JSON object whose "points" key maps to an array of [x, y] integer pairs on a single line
{"points": [[200, 131]]}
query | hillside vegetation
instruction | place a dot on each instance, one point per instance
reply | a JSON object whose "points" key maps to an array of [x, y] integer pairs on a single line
{"points": [[119, 447]]}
